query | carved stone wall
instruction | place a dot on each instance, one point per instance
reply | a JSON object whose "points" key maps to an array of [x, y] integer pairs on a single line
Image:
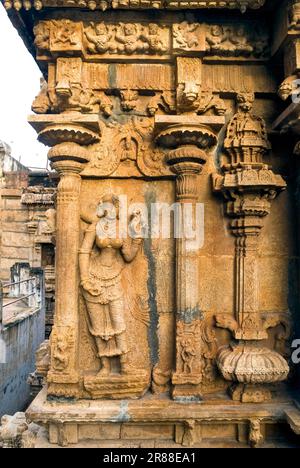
{"points": [[175, 109]]}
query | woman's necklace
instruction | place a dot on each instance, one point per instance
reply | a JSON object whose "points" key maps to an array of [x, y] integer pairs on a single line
{"points": [[107, 227]]}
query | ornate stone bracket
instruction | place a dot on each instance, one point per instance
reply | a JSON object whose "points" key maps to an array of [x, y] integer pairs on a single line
{"points": [[248, 186]]}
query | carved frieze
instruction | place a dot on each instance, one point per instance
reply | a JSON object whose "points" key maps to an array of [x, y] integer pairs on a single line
{"points": [[38, 195], [188, 37], [294, 15], [243, 40], [108, 40], [127, 39], [133, 4]]}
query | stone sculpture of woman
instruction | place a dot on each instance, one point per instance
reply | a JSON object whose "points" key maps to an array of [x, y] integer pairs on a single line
{"points": [[102, 257]]}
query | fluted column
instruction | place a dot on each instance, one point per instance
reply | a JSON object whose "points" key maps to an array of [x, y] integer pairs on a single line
{"points": [[186, 162], [187, 376], [67, 159]]}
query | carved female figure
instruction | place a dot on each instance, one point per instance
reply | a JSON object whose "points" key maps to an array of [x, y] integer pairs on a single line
{"points": [[103, 256]]}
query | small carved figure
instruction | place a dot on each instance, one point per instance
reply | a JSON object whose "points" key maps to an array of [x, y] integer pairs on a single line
{"points": [[42, 103], [237, 41], [60, 353], [103, 257], [153, 104], [153, 43], [211, 102], [188, 438], [239, 38], [294, 15], [261, 42], [128, 148], [216, 37], [65, 33], [105, 105], [190, 98], [129, 99], [288, 86], [42, 358], [255, 435], [50, 221], [188, 94], [246, 130], [185, 36], [76, 97], [129, 39], [187, 355], [100, 40], [42, 36], [82, 98]]}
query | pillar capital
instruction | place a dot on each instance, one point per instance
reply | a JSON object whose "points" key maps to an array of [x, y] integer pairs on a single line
{"points": [[68, 158]]}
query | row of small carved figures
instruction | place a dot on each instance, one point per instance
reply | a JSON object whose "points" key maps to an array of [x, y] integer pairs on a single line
{"points": [[105, 4], [132, 38]]}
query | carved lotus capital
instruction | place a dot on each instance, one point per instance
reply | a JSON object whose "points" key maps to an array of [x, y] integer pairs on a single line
{"points": [[59, 133], [187, 135], [186, 159], [250, 364], [68, 158]]}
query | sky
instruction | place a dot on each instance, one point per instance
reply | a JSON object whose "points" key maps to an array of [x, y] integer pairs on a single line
{"points": [[19, 84]]}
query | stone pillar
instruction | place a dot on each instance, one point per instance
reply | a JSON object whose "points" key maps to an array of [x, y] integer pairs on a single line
{"points": [[248, 186], [63, 363], [189, 151], [68, 160], [187, 377]]}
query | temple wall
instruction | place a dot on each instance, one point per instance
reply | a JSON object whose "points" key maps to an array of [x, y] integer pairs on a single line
{"points": [[22, 339], [192, 110], [16, 244]]}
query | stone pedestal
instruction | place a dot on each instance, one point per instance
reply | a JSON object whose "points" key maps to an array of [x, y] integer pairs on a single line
{"points": [[156, 422]]}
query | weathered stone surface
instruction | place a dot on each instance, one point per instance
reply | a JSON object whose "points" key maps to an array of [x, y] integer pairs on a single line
{"points": [[175, 111]]}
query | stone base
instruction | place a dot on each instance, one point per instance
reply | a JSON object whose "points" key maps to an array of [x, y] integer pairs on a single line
{"points": [[117, 386], [186, 387], [157, 421], [250, 393]]}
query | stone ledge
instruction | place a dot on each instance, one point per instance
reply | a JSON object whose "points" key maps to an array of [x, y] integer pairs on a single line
{"points": [[293, 419], [152, 408], [20, 317], [158, 422]]}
